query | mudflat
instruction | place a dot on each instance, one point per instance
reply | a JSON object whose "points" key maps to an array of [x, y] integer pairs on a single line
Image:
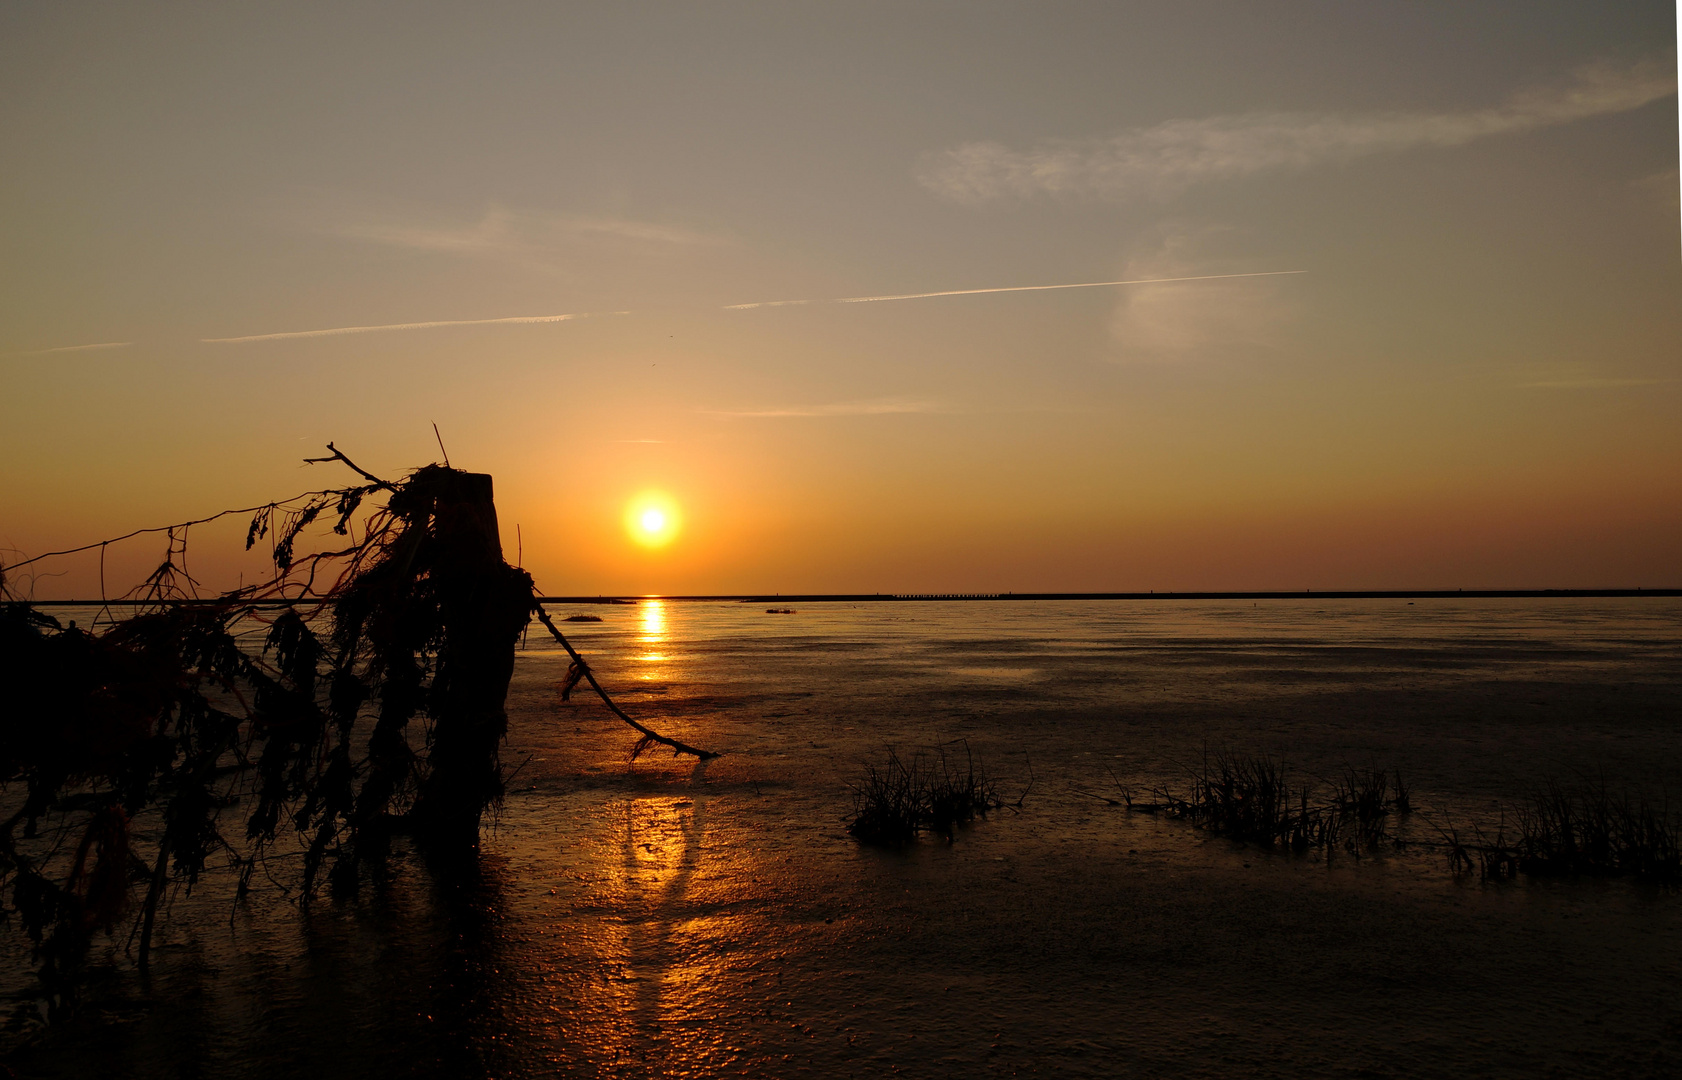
{"points": [[668, 918]]}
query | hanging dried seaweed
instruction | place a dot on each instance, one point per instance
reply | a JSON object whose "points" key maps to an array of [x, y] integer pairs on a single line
{"points": [[356, 695]]}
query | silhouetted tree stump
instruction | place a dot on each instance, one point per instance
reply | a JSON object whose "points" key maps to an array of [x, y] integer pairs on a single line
{"points": [[375, 705], [483, 604]]}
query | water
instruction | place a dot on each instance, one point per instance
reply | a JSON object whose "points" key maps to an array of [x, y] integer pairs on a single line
{"points": [[664, 918]]}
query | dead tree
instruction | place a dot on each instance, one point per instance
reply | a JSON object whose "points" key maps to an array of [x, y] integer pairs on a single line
{"points": [[375, 707], [483, 605]]}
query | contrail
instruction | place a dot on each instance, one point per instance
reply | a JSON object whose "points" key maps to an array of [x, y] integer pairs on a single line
{"points": [[775, 303], [289, 335], [402, 326], [76, 348], [1009, 288]]}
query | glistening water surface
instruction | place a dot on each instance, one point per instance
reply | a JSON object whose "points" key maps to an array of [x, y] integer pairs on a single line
{"points": [[664, 918]]}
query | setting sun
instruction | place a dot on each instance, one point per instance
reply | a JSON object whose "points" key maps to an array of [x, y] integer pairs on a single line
{"points": [[652, 519]]}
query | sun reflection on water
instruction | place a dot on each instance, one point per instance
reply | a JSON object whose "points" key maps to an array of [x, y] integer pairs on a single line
{"points": [[653, 636], [675, 944]]}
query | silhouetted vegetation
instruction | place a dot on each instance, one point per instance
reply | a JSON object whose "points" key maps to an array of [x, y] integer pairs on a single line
{"points": [[1251, 798], [355, 696], [888, 804], [896, 800], [1578, 830], [1561, 830]]}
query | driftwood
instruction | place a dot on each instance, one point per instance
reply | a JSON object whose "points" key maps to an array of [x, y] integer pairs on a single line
{"points": [[580, 669]]}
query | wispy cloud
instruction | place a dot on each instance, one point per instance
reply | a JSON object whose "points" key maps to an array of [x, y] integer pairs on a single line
{"points": [[503, 232], [337, 330], [1011, 288], [1658, 192], [76, 348], [1179, 153], [652, 231], [881, 407], [1595, 384], [1172, 319]]}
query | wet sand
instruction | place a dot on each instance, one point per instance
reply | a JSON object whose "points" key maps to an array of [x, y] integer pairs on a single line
{"points": [[667, 919]]}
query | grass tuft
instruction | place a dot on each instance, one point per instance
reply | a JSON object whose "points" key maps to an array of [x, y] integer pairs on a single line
{"points": [[896, 801], [1582, 830], [1250, 797]]}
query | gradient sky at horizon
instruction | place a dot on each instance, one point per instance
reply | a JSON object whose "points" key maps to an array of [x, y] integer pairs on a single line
{"points": [[1476, 382]]}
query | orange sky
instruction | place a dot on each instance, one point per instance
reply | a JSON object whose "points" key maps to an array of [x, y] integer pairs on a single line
{"points": [[1474, 383]]}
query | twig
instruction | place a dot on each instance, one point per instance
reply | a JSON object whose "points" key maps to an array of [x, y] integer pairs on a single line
{"points": [[509, 779], [180, 524], [1017, 806], [339, 455], [648, 735]]}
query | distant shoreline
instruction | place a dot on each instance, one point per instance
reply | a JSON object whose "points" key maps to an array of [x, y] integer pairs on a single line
{"points": [[836, 598]]}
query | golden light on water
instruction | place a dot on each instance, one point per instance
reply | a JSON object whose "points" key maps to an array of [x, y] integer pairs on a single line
{"points": [[653, 638], [653, 622], [652, 519]]}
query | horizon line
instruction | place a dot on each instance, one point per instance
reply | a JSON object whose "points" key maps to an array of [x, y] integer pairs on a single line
{"points": [[816, 598]]}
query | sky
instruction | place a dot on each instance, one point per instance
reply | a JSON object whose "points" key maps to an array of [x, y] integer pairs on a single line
{"points": [[1434, 340]]}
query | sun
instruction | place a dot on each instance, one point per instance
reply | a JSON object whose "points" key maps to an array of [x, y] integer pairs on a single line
{"points": [[652, 519]]}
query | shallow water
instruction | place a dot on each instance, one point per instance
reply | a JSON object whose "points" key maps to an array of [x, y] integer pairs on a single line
{"points": [[663, 918]]}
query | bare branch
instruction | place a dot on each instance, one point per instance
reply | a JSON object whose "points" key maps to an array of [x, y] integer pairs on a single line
{"points": [[648, 735], [339, 455]]}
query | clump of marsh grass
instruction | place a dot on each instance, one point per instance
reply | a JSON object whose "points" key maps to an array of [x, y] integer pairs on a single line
{"points": [[897, 800], [1364, 799], [888, 802], [1590, 830], [1252, 798], [1581, 830], [1493, 861]]}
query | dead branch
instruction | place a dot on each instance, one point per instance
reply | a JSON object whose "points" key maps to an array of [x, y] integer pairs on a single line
{"points": [[178, 525], [648, 736], [339, 455]]}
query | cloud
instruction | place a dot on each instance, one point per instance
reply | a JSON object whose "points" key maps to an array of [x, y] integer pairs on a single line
{"points": [[1594, 384], [881, 407], [494, 232], [1659, 192], [1222, 317], [1178, 153], [654, 232], [337, 330], [503, 232]]}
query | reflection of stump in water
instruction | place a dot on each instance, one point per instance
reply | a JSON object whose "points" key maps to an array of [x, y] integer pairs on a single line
{"points": [[655, 912]]}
